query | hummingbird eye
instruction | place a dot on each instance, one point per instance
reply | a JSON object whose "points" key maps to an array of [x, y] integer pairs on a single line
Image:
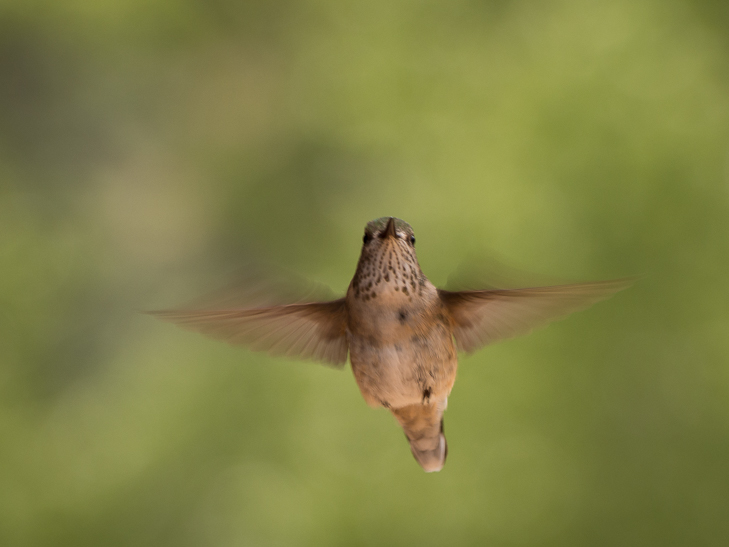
{"points": [[412, 240], [367, 238]]}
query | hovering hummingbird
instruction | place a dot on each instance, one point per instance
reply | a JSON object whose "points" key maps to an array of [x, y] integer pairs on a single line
{"points": [[401, 332]]}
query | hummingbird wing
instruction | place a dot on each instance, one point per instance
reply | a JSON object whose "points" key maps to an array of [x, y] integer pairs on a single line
{"points": [[312, 330], [482, 317]]}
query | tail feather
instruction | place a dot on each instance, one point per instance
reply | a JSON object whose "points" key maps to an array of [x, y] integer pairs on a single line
{"points": [[423, 426]]}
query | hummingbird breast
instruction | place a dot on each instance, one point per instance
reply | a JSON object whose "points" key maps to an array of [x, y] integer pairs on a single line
{"points": [[400, 341]]}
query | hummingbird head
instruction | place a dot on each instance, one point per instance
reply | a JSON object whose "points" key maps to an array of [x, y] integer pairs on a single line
{"points": [[388, 262]]}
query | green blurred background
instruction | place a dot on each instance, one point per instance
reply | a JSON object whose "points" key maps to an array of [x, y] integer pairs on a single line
{"points": [[147, 145]]}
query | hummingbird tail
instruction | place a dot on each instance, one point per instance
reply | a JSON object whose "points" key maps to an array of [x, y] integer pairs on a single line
{"points": [[423, 426]]}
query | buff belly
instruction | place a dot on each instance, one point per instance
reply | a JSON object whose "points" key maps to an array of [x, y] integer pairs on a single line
{"points": [[398, 374]]}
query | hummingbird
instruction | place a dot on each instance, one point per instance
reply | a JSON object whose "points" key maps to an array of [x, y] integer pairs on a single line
{"points": [[402, 334]]}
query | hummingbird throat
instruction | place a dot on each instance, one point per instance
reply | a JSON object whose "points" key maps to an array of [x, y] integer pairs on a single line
{"points": [[388, 271]]}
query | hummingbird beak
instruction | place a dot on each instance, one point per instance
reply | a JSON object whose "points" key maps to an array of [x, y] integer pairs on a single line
{"points": [[389, 230]]}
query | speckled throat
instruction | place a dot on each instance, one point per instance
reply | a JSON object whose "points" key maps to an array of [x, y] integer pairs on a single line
{"points": [[388, 263]]}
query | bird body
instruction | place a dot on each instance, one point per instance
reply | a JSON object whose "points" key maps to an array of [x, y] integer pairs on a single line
{"points": [[400, 331], [401, 342]]}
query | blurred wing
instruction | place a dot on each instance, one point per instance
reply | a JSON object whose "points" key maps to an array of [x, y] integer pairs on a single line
{"points": [[313, 330], [487, 316]]}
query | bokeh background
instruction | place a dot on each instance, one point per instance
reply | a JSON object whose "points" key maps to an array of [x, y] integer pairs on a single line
{"points": [[146, 146]]}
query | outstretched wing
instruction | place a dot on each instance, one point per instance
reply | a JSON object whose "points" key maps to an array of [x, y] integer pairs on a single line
{"points": [[484, 317], [312, 330]]}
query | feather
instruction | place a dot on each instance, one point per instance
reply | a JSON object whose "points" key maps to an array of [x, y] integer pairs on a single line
{"points": [[483, 317], [311, 330]]}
